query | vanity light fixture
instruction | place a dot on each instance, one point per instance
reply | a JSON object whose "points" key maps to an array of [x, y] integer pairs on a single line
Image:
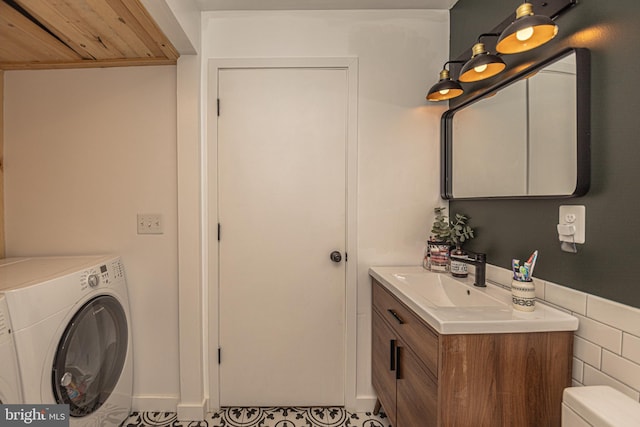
{"points": [[445, 88], [482, 64], [527, 32]]}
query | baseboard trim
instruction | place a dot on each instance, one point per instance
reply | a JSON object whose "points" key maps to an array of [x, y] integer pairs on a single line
{"points": [[198, 411], [154, 403], [192, 412], [365, 403]]}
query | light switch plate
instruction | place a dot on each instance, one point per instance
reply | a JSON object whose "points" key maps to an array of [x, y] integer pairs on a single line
{"points": [[150, 224], [573, 215]]}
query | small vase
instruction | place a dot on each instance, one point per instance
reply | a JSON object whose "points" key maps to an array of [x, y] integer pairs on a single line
{"points": [[458, 268], [523, 295]]}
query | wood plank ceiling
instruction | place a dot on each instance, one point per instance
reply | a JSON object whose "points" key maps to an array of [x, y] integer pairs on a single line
{"points": [[39, 34]]}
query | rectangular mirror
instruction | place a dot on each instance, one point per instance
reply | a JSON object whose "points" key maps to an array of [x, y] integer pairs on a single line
{"points": [[525, 137]]}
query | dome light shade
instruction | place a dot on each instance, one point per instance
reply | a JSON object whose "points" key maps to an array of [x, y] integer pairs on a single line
{"points": [[527, 32], [445, 88], [482, 65]]}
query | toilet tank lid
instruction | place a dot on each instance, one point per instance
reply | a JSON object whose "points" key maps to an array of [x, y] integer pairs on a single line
{"points": [[603, 406]]}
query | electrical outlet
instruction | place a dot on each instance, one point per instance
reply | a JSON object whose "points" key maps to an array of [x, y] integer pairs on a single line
{"points": [[573, 216], [150, 224]]}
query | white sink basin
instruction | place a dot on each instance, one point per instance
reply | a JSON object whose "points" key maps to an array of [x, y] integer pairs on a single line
{"points": [[442, 290], [456, 306]]}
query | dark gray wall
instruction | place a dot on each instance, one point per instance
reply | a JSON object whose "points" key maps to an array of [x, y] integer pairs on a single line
{"points": [[608, 264]]}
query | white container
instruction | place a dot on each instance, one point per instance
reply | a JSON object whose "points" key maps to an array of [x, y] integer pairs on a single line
{"points": [[598, 406], [523, 295]]}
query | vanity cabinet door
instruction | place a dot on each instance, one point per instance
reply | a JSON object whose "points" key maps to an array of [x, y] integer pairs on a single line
{"points": [[383, 365], [416, 393]]}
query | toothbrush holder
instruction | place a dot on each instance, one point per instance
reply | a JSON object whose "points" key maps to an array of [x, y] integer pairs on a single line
{"points": [[523, 295]]}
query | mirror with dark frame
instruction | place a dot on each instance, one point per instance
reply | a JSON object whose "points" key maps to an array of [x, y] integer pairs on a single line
{"points": [[525, 137]]}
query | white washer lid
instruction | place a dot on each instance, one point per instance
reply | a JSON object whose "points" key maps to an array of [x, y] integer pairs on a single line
{"points": [[19, 272], [603, 406]]}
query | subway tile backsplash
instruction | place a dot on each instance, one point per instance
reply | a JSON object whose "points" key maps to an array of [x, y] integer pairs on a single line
{"points": [[565, 297], [615, 314], [630, 347], [607, 343], [600, 334], [621, 368], [587, 351], [593, 376]]}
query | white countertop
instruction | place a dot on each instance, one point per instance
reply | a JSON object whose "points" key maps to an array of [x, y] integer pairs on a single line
{"points": [[470, 309]]}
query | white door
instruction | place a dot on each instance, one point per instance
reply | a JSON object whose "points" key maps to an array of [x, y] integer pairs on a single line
{"points": [[282, 136]]}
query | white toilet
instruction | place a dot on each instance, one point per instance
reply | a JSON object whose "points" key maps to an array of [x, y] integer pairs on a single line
{"points": [[598, 406]]}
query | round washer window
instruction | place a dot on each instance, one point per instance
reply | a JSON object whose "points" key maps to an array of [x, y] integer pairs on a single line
{"points": [[90, 356]]}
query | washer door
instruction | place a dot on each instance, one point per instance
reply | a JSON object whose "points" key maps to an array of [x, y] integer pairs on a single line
{"points": [[90, 356]]}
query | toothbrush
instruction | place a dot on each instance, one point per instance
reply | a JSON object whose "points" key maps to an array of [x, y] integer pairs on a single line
{"points": [[524, 273], [515, 266], [532, 262]]}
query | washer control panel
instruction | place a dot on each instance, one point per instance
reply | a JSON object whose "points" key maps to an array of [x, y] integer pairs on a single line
{"points": [[101, 275]]}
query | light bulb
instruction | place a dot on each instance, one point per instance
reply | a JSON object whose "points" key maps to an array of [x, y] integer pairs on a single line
{"points": [[444, 91], [524, 34], [480, 68]]}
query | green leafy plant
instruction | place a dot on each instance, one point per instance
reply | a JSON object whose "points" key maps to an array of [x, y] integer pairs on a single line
{"points": [[440, 230], [455, 232], [460, 230]]}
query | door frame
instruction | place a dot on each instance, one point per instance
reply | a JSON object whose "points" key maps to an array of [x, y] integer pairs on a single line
{"points": [[210, 205]]}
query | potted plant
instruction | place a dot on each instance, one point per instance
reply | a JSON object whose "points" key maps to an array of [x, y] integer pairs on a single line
{"points": [[440, 230], [459, 230], [446, 233], [459, 233]]}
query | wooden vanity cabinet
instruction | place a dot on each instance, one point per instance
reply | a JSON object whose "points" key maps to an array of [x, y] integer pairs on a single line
{"points": [[425, 379], [405, 389]]}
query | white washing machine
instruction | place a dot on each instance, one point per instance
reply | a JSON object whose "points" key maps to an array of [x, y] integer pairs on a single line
{"points": [[10, 389], [72, 334]]}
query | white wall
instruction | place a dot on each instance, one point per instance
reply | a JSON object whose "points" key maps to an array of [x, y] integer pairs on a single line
{"points": [[399, 55], [85, 151]]}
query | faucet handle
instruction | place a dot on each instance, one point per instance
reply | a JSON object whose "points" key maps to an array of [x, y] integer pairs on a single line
{"points": [[477, 256]]}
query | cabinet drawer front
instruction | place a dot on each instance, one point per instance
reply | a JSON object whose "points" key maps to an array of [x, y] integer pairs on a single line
{"points": [[409, 327]]}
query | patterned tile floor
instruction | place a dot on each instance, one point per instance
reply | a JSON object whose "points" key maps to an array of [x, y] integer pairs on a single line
{"points": [[264, 417]]}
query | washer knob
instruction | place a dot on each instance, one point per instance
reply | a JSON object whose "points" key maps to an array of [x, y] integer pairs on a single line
{"points": [[93, 280]]}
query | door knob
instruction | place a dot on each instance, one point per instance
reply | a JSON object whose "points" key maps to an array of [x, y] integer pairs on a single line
{"points": [[335, 256]]}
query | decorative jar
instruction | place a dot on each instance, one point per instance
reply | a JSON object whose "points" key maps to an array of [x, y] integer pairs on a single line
{"points": [[523, 295]]}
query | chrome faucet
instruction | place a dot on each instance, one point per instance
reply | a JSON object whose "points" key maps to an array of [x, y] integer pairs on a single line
{"points": [[479, 261]]}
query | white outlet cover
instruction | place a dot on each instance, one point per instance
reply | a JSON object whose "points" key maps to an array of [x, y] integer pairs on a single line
{"points": [[150, 224], [576, 213]]}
